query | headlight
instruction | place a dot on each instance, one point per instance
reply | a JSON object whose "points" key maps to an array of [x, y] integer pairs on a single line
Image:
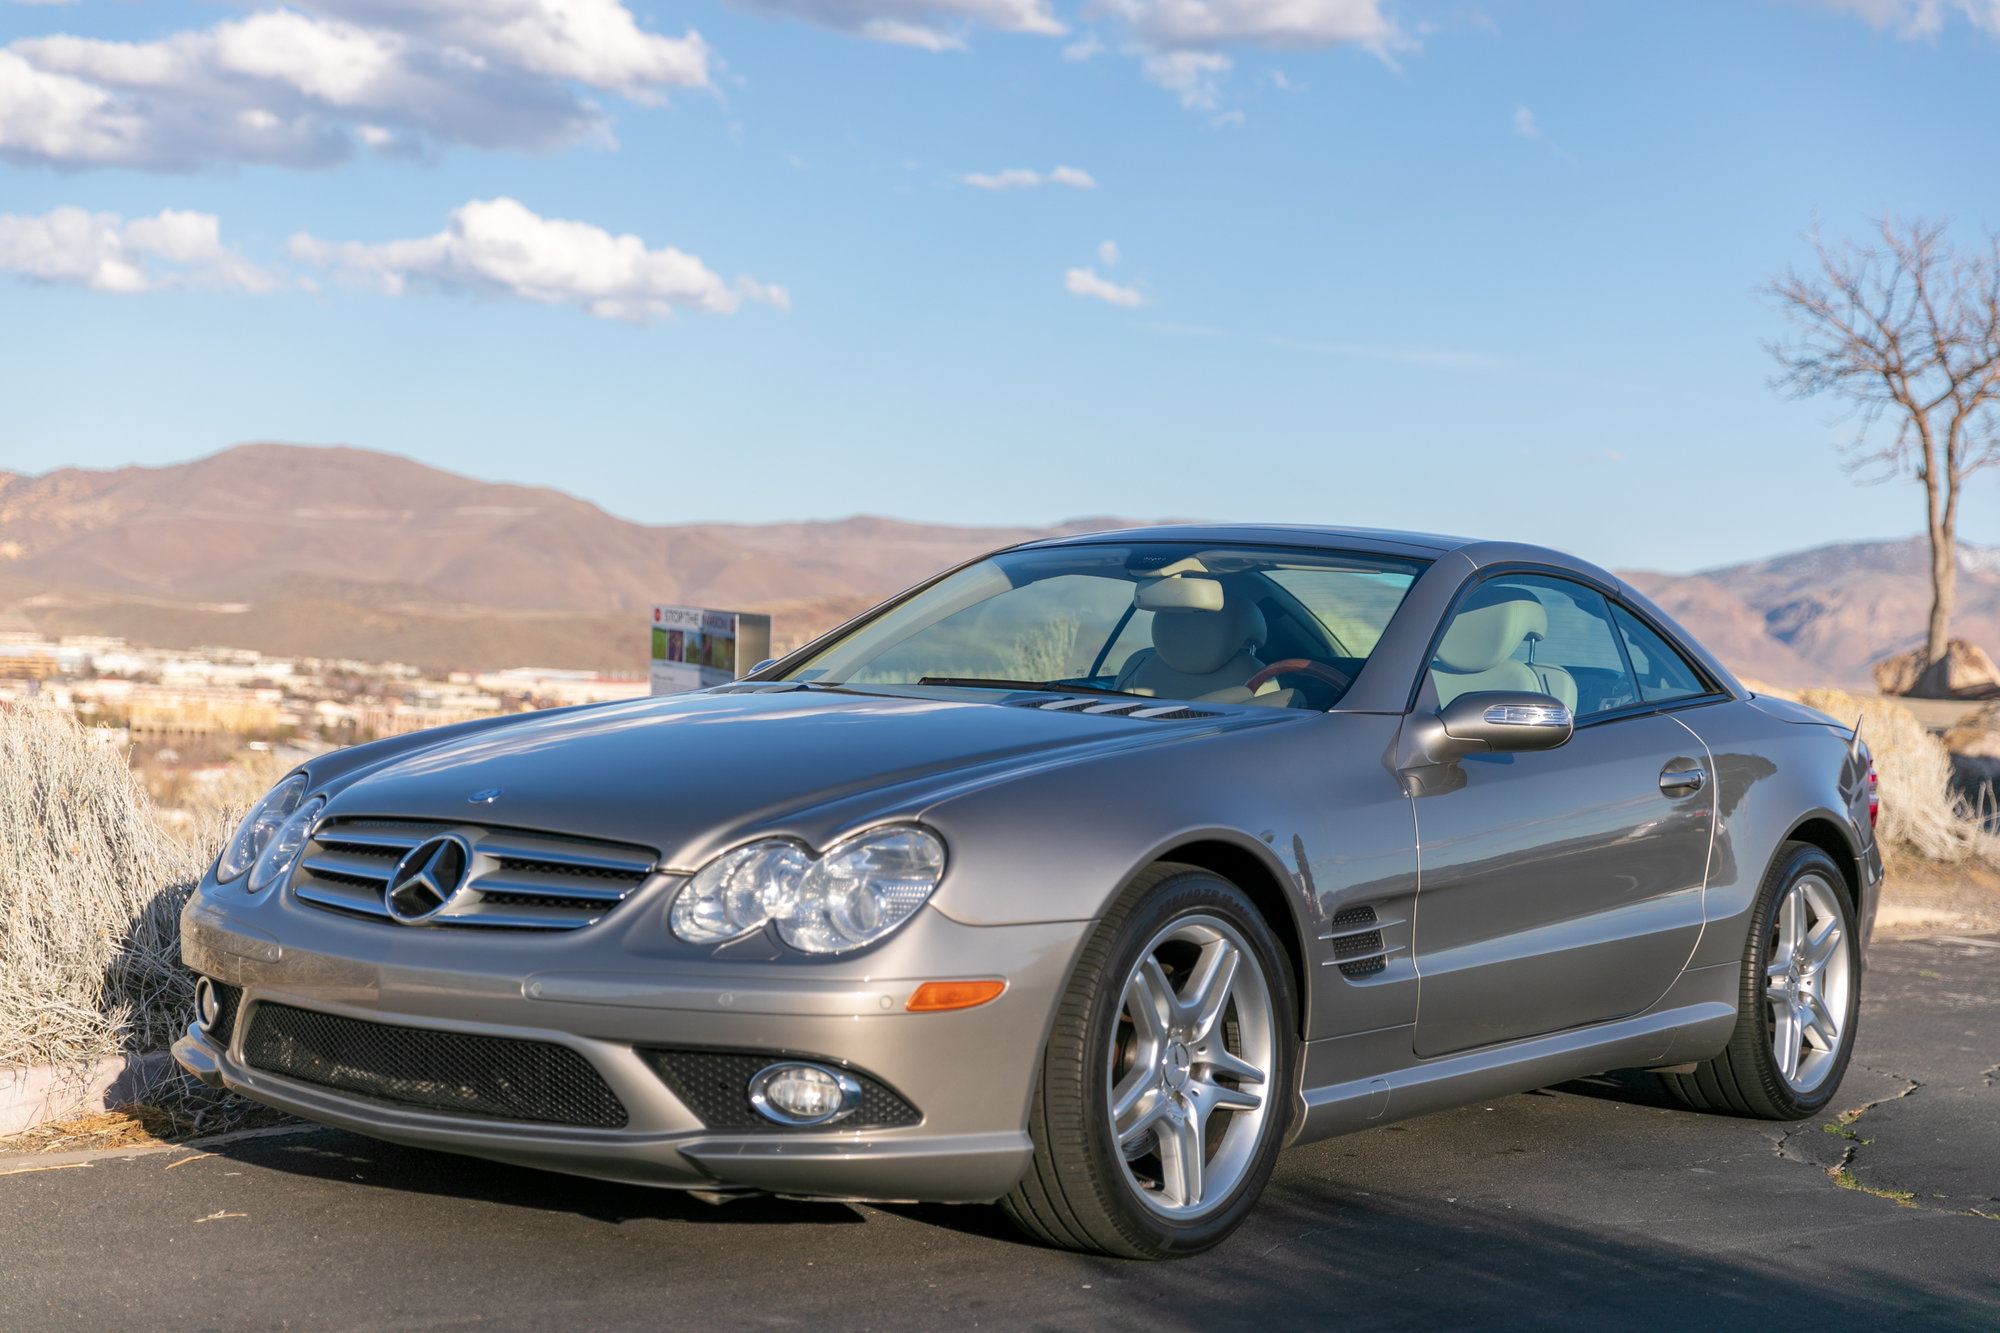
{"points": [[739, 891], [264, 820], [282, 852], [858, 892]]}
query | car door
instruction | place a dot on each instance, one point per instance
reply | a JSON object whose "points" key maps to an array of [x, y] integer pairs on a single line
{"points": [[1562, 887]]}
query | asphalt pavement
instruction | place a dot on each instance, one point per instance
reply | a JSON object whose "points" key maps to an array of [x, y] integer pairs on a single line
{"points": [[1593, 1204]]}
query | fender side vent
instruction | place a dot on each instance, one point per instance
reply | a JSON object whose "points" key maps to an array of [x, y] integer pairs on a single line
{"points": [[1359, 949]]}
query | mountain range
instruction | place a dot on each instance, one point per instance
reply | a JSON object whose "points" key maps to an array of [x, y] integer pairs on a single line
{"points": [[338, 552]]}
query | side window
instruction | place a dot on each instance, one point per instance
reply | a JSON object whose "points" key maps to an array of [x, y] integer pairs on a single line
{"points": [[1535, 632], [1663, 673]]}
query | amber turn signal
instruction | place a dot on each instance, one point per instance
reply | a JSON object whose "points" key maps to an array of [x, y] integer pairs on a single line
{"points": [[936, 996]]}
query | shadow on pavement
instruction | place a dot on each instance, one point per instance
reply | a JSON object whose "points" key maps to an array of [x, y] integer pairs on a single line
{"points": [[1316, 1253], [333, 1155]]}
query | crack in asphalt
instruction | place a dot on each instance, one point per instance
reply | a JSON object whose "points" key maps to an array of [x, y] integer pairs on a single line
{"points": [[1841, 1173], [1843, 1124]]}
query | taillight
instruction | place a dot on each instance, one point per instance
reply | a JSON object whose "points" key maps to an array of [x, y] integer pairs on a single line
{"points": [[1874, 789]]}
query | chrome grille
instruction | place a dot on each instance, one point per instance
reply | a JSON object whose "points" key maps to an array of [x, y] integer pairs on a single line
{"points": [[516, 880]]}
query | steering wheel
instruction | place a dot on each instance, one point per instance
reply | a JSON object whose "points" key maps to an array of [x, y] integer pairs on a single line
{"points": [[1299, 666]]}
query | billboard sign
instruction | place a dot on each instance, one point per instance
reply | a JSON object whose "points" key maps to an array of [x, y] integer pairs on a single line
{"points": [[694, 648]]}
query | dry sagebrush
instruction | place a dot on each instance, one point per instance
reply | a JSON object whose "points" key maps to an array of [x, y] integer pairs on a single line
{"points": [[91, 887], [1923, 817]]}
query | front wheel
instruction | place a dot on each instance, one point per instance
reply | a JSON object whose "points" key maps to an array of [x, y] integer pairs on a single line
{"points": [[1801, 995], [1166, 1086]]}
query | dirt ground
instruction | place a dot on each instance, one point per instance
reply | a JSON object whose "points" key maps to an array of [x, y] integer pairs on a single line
{"points": [[1924, 899], [145, 1126]]}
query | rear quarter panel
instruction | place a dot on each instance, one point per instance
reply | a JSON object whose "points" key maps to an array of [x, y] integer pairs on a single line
{"points": [[1774, 777]]}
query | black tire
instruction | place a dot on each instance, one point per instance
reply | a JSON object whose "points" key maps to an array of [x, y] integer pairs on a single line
{"points": [[1745, 1079], [1080, 1193]]}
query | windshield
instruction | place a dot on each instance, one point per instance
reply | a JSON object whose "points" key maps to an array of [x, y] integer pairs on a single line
{"points": [[1161, 620]]}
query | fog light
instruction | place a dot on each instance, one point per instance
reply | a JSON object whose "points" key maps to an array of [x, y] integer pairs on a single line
{"points": [[207, 1004], [802, 1094]]}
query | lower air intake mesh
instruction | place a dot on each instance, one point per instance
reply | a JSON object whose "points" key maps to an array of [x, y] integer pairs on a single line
{"points": [[715, 1085], [458, 1073]]}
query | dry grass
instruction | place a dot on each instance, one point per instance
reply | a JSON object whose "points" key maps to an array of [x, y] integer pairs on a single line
{"points": [[91, 886], [176, 1115], [1924, 818]]}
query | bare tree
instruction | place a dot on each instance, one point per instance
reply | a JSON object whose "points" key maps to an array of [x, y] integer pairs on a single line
{"points": [[1907, 330]]}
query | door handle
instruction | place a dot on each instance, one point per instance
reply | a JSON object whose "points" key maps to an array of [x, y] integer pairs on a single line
{"points": [[1682, 781]]}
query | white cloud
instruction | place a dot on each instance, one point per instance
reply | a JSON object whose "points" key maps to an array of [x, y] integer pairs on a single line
{"points": [[1107, 254], [1915, 20], [298, 89], [1014, 178], [934, 25], [498, 247], [597, 43], [1086, 47], [1524, 123], [1285, 25], [1183, 44], [1084, 282], [1020, 178], [1193, 76], [105, 253]]}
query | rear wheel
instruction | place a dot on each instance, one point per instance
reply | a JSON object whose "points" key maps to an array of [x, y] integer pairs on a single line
{"points": [[1801, 994], [1166, 1085]]}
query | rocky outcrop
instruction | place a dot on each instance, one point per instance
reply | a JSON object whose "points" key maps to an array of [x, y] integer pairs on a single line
{"points": [[1974, 742], [1964, 672]]}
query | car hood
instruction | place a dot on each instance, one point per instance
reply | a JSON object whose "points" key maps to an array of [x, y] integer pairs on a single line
{"points": [[691, 774]]}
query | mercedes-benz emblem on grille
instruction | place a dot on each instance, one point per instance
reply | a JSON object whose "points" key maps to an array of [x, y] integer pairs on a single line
{"points": [[426, 880]]}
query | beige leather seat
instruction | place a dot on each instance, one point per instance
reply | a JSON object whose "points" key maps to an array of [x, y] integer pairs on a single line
{"points": [[1477, 652], [1204, 642]]}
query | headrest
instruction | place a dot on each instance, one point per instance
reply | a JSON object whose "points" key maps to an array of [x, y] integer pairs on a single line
{"points": [[1489, 627], [1178, 594], [1196, 630]]}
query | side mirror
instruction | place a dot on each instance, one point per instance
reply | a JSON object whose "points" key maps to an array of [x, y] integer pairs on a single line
{"points": [[769, 661], [1503, 721], [1493, 722]]}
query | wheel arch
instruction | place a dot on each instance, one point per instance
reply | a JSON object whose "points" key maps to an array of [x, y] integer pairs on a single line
{"points": [[1821, 830], [1268, 893]]}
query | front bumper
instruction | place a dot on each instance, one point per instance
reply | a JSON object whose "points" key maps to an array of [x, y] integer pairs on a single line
{"points": [[968, 1073]]}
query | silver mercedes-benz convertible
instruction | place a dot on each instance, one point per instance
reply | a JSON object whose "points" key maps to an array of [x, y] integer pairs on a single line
{"points": [[1082, 878]]}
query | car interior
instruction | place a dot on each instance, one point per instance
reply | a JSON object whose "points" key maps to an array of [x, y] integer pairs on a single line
{"points": [[1213, 637]]}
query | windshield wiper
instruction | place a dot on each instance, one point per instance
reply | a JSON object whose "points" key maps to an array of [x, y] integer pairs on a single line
{"points": [[1046, 686]]}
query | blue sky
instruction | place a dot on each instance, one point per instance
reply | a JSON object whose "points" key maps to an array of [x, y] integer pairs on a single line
{"points": [[1488, 268]]}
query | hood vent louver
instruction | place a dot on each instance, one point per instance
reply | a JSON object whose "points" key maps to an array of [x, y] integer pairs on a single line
{"points": [[1169, 712]]}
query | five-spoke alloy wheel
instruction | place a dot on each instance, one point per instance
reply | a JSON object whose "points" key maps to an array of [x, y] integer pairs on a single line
{"points": [[1189, 1066], [1800, 998], [1809, 981], [1170, 1077]]}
